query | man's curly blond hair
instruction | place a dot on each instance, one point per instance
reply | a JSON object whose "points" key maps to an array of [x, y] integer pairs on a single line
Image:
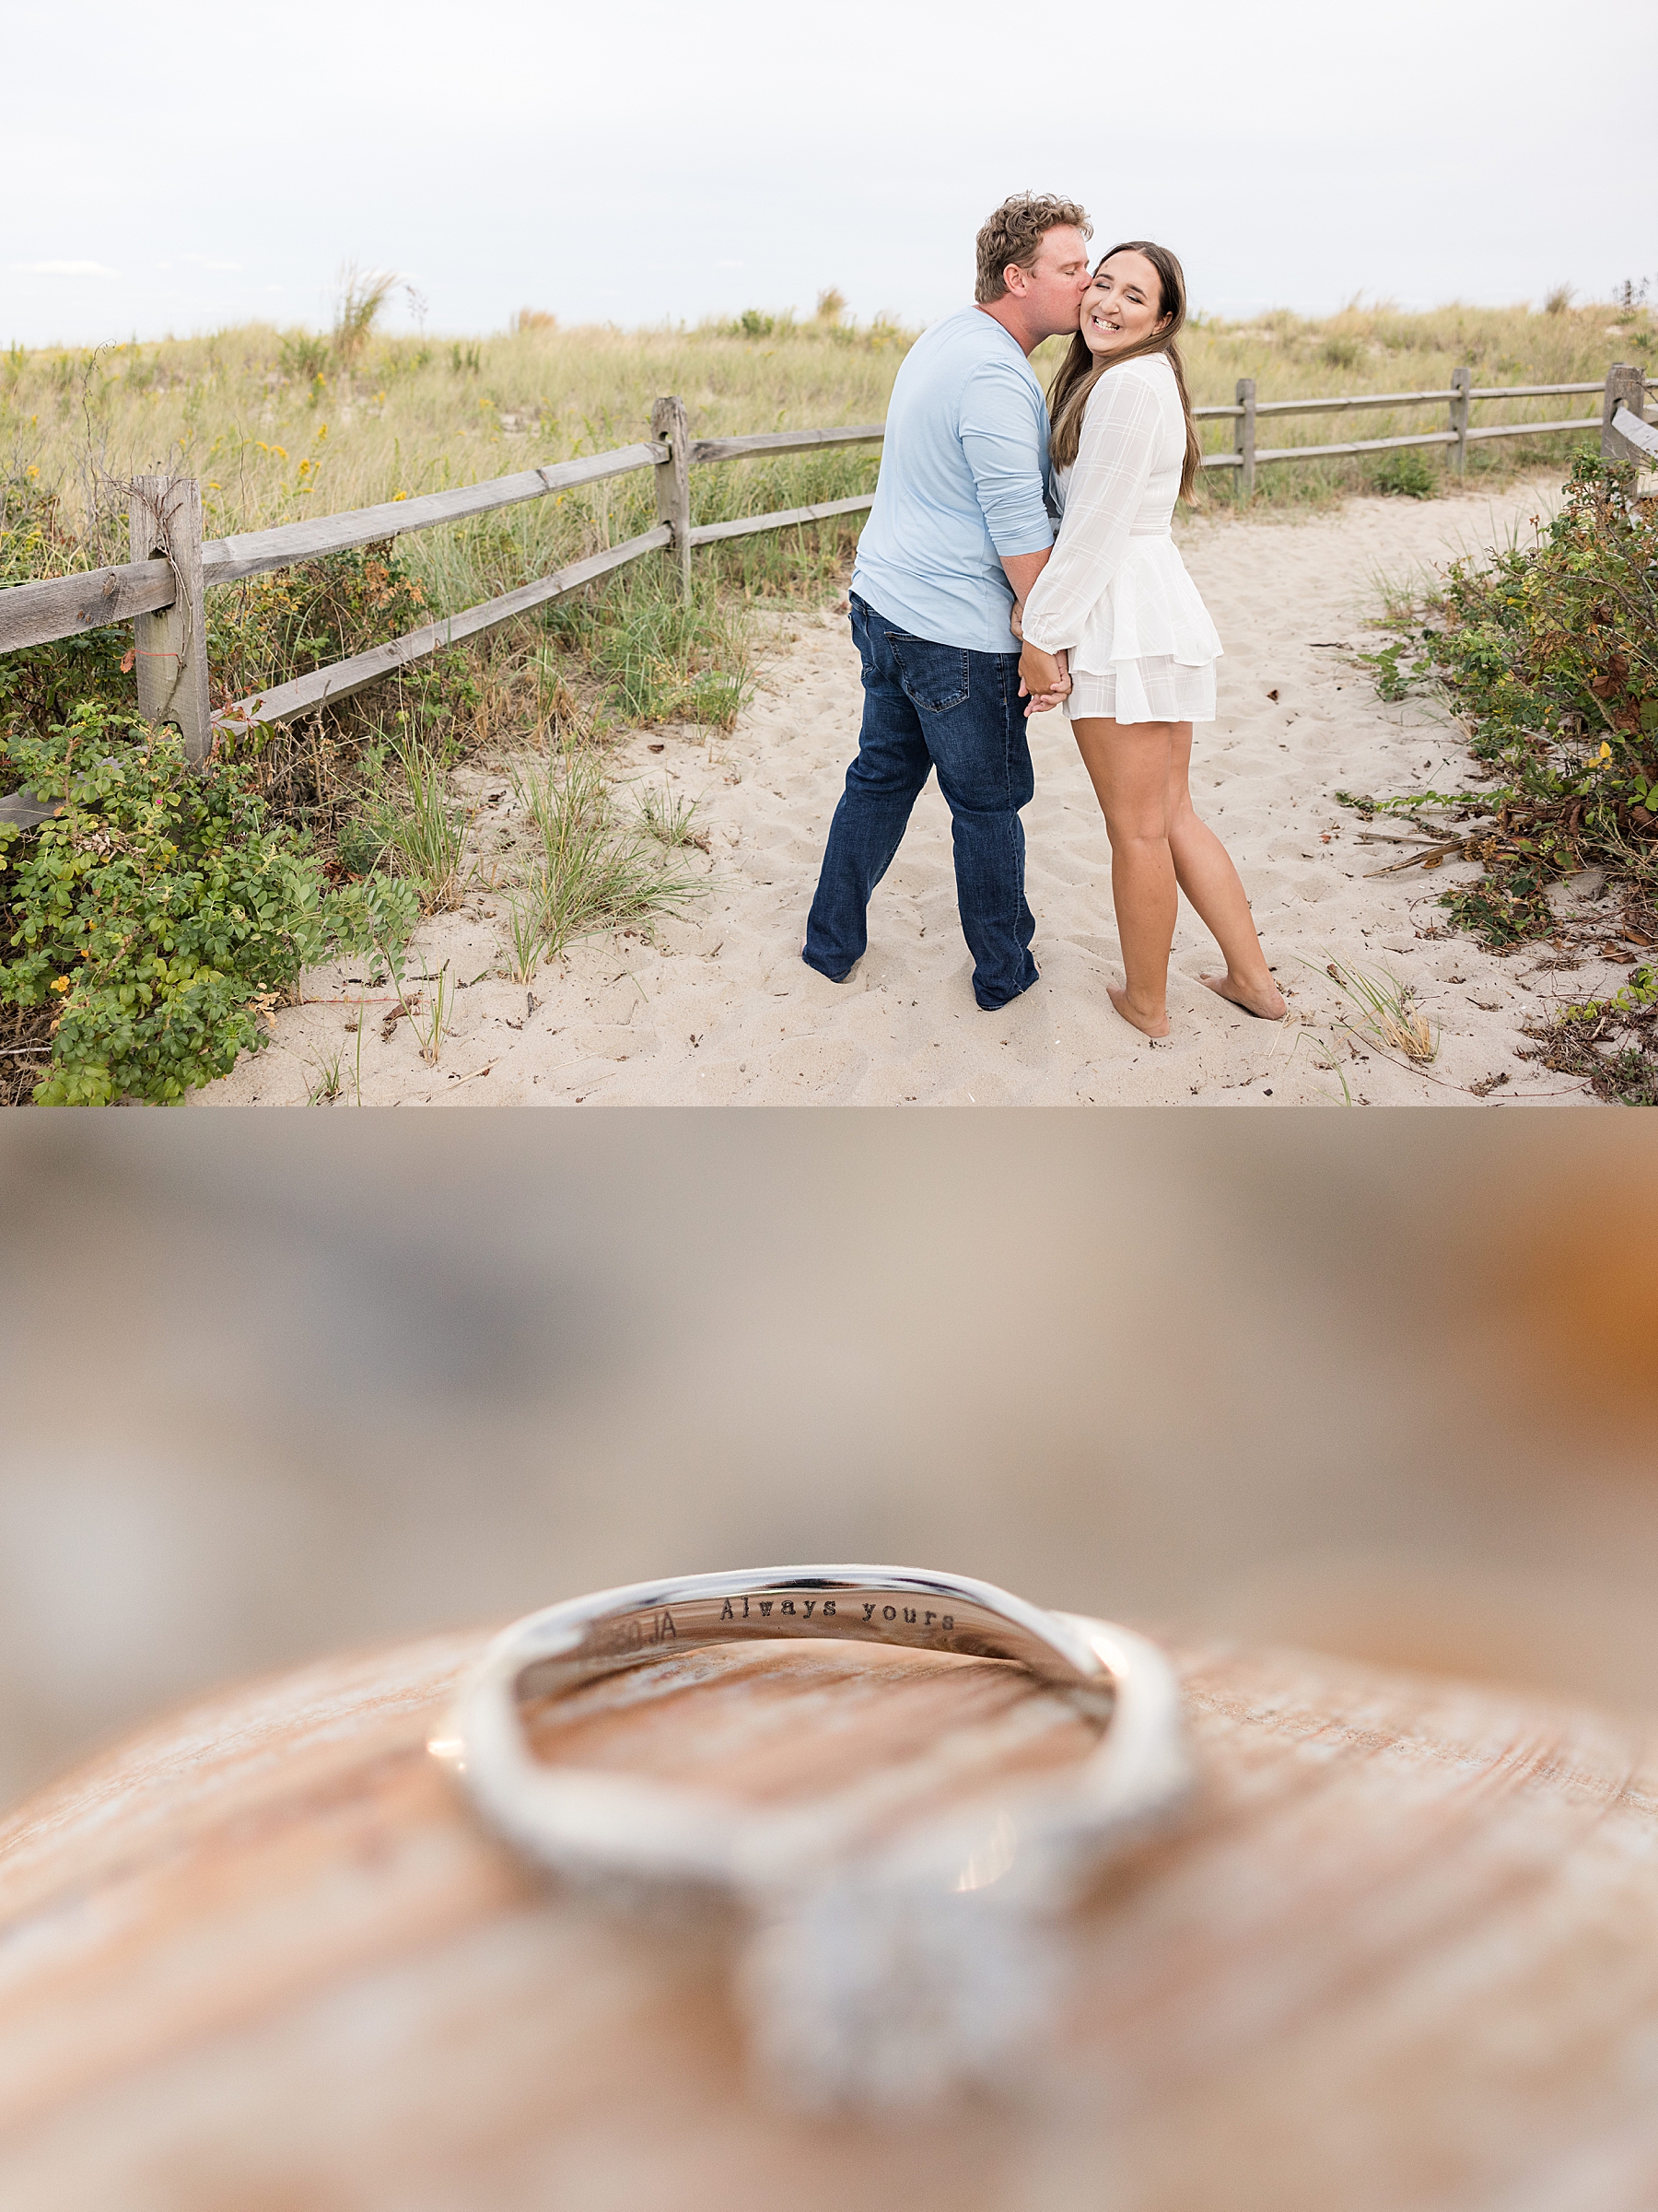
{"points": [[1015, 232]]}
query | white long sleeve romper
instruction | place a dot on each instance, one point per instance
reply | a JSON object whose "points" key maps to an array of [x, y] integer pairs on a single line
{"points": [[1114, 594]]}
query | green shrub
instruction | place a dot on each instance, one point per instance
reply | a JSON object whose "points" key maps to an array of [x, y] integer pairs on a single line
{"points": [[1550, 655], [1552, 652], [271, 628], [40, 683], [1407, 475], [303, 358], [160, 909]]}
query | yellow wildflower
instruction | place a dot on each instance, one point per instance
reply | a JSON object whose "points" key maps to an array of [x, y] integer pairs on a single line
{"points": [[61, 983]]}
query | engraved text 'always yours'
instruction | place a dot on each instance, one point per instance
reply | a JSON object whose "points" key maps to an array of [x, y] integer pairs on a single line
{"points": [[830, 1609]]}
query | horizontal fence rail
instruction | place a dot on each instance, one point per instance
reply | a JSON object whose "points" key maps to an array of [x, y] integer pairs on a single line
{"points": [[704, 449], [161, 592], [228, 560], [712, 533], [341, 678], [62, 606]]}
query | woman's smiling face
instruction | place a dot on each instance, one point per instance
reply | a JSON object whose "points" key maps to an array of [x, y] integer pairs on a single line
{"points": [[1123, 305]]}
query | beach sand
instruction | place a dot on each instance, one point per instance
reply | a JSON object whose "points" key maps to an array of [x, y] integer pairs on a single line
{"points": [[716, 1008]]}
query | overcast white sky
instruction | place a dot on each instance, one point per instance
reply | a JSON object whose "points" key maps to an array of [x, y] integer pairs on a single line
{"points": [[172, 165]]}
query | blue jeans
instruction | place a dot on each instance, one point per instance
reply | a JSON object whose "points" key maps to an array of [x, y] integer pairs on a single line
{"points": [[929, 707]]}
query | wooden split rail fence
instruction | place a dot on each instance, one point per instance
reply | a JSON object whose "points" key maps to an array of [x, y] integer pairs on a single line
{"points": [[1623, 387], [161, 590]]}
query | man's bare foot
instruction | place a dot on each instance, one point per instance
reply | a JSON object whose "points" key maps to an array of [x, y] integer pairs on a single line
{"points": [[1148, 1024], [1266, 1005]]}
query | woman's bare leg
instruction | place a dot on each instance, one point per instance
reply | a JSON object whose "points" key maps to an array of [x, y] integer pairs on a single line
{"points": [[1130, 768], [1205, 871]]}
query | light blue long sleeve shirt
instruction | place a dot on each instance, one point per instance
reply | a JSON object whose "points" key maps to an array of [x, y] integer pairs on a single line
{"points": [[963, 474]]}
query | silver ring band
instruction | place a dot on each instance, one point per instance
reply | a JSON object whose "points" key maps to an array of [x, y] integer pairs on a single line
{"points": [[1018, 1857]]}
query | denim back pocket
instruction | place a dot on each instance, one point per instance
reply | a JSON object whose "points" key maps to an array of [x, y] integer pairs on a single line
{"points": [[934, 676]]}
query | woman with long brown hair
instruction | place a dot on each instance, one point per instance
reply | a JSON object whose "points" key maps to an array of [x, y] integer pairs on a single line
{"points": [[1116, 601]]}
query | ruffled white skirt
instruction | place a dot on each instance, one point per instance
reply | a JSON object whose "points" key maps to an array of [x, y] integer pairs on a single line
{"points": [[1148, 651]]}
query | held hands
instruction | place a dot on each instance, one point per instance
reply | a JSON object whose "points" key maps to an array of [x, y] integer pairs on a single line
{"points": [[1044, 678]]}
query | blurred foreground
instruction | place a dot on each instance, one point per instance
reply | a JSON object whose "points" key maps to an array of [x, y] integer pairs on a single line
{"points": [[1383, 1389]]}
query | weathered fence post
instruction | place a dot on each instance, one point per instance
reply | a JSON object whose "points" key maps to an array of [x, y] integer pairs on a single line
{"points": [[1626, 387], [171, 647], [673, 482], [1462, 383], [1244, 435]]}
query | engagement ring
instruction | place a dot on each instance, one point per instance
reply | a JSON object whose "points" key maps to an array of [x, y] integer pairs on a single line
{"points": [[882, 1968]]}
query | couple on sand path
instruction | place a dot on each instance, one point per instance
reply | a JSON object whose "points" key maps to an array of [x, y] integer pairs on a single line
{"points": [[969, 617]]}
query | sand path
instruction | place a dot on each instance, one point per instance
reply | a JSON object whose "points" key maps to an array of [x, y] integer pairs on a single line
{"points": [[718, 1008]]}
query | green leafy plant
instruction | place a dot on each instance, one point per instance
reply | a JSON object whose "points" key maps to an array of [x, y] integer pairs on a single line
{"points": [[1406, 475], [160, 910], [271, 628], [274, 627], [1392, 683], [40, 683], [303, 358], [1548, 654], [1611, 1043]]}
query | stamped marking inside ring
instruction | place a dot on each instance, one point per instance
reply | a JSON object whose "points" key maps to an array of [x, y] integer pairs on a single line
{"points": [[880, 1616]]}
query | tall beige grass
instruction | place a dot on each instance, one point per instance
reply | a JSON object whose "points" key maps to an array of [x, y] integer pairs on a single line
{"points": [[279, 425]]}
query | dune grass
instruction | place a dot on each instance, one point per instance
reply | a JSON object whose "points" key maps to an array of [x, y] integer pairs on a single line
{"points": [[592, 869], [279, 425]]}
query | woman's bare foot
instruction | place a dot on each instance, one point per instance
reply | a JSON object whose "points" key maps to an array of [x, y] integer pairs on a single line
{"points": [[1266, 1004], [1148, 1025]]}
